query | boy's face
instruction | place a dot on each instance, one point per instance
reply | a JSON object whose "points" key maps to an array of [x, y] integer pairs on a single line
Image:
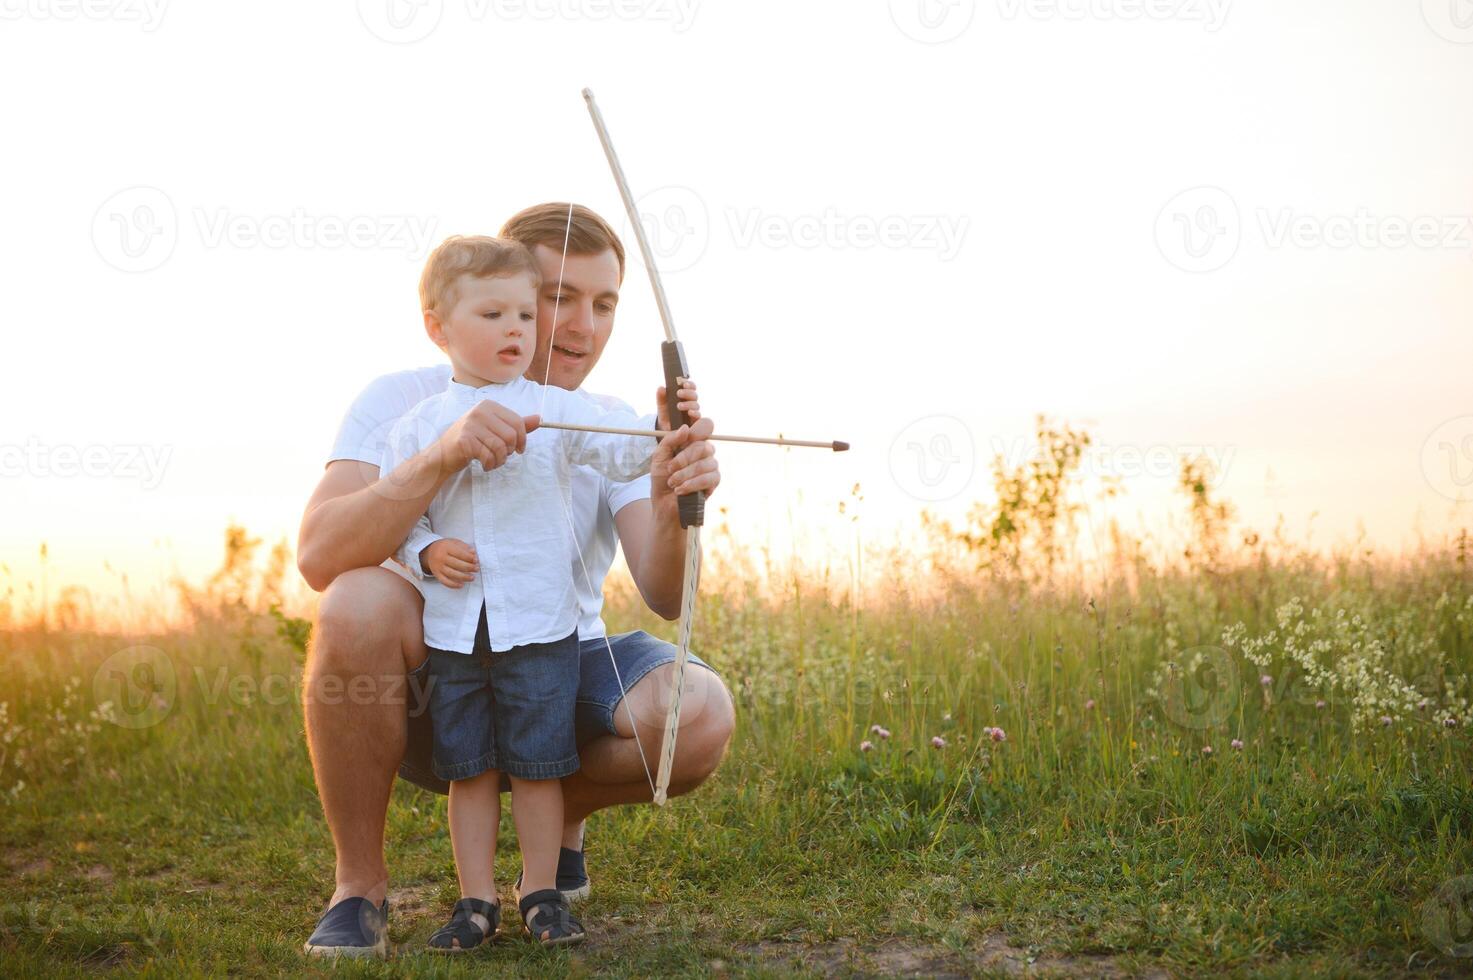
{"points": [[568, 349], [491, 330]]}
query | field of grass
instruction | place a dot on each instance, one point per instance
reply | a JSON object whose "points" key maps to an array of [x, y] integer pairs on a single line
{"points": [[1248, 767]]}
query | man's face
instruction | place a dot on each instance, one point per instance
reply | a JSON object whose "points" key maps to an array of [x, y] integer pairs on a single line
{"points": [[569, 348], [489, 332]]}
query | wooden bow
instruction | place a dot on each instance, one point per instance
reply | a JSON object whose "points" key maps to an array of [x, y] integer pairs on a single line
{"points": [[691, 505]]}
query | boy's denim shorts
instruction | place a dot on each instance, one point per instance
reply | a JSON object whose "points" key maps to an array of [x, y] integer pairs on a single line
{"points": [[636, 654], [510, 711]]}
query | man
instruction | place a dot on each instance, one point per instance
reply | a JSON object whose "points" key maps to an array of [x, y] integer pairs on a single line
{"points": [[368, 638]]}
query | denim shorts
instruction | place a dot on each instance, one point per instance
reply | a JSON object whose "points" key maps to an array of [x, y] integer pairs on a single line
{"points": [[636, 654], [511, 711]]}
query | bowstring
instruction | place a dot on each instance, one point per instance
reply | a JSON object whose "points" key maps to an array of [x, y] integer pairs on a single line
{"points": [[568, 515]]}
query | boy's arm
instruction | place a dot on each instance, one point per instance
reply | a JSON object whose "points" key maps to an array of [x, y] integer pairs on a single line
{"points": [[421, 536], [357, 517]]}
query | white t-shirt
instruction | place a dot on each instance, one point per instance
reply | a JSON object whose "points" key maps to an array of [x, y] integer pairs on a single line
{"points": [[363, 436]]}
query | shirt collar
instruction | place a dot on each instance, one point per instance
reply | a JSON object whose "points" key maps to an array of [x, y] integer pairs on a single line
{"points": [[495, 389]]}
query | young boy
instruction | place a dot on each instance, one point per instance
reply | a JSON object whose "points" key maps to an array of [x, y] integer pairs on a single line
{"points": [[503, 652]]}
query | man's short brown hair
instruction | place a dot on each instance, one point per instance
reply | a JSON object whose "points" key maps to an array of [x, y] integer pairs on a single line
{"points": [[478, 256], [548, 224]]}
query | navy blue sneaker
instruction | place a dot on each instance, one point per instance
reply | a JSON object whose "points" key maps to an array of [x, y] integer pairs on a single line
{"points": [[354, 927], [572, 877]]}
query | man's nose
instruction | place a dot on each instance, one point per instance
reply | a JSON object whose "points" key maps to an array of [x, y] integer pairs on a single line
{"points": [[580, 319]]}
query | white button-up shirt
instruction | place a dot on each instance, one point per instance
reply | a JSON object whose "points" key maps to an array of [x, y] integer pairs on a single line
{"points": [[517, 516]]}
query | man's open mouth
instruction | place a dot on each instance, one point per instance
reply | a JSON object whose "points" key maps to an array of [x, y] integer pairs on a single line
{"points": [[566, 352]]}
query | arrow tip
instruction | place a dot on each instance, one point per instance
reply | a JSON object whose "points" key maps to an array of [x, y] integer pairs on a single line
{"points": [[841, 447]]}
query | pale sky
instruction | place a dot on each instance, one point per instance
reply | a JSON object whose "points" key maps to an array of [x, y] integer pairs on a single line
{"points": [[1185, 224]]}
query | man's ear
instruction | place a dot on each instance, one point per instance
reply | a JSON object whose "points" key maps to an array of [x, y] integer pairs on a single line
{"points": [[434, 329]]}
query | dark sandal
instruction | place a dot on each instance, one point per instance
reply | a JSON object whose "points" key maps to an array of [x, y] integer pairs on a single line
{"points": [[461, 929], [545, 918]]}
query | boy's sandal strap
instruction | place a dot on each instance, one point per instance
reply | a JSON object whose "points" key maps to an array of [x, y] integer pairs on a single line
{"points": [[463, 929], [546, 918]]}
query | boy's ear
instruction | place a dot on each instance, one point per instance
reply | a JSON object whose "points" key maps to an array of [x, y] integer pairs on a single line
{"points": [[434, 329]]}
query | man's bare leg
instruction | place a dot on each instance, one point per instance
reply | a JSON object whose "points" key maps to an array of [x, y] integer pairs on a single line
{"points": [[611, 772], [368, 634]]}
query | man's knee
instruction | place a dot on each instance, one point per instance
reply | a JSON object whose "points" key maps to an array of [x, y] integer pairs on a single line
{"points": [[368, 627], [706, 727]]}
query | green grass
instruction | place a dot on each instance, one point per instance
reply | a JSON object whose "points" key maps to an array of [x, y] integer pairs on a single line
{"points": [[1091, 837]]}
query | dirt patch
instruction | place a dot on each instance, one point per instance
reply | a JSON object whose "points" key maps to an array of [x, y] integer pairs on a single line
{"points": [[845, 957], [99, 872], [39, 866], [113, 954], [198, 885], [412, 901], [899, 958]]}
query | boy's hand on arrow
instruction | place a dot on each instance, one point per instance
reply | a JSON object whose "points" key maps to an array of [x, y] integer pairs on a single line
{"points": [[489, 433]]}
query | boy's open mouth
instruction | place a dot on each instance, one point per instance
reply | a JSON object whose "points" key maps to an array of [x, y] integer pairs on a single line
{"points": [[510, 353]]}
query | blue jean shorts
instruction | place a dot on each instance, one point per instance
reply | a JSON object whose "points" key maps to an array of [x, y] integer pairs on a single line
{"points": [[635, 654], [511, 711]]}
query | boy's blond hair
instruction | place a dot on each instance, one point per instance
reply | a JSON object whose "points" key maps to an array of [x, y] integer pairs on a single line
{"points": [[479, 256]]}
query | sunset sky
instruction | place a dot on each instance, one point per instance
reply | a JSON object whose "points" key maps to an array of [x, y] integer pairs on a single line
{"points": [[1238, 228]]}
